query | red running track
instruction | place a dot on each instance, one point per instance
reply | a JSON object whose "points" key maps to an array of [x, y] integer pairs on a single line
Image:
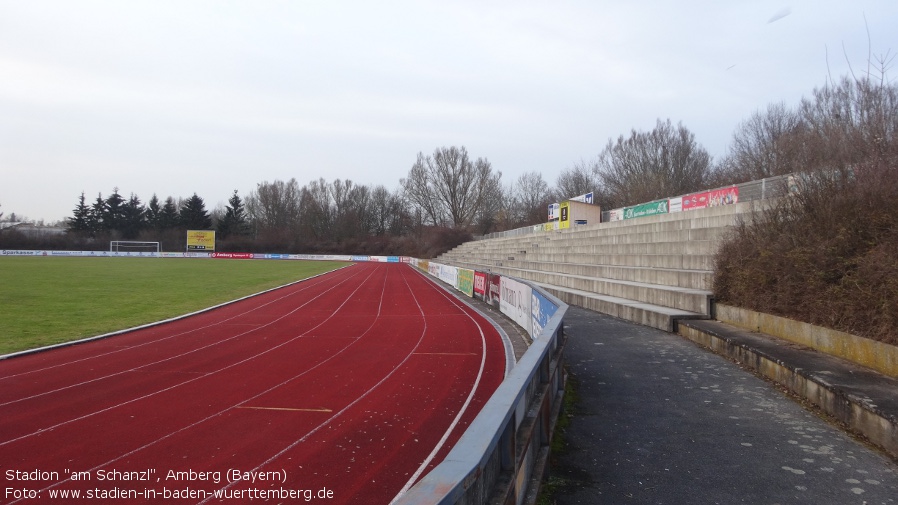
{"points": [[344, 388]]}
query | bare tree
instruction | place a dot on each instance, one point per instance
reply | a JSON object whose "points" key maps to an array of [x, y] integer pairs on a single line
{"points": [[316, 208], [274, 206], [448, 187], [576, 180], [531, 198], [851, 121], [666, 161], [766, 145], [488, 216]]}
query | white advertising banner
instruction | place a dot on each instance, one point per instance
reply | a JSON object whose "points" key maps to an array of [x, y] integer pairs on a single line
{"points": [[449, 275], [434, 269], [514, 301], [675, 205]]}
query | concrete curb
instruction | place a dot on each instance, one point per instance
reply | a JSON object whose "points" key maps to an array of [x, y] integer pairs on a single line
{"points": [[864, 400]]}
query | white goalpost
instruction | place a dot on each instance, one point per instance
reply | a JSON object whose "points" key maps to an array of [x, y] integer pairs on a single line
{"points": [[133, 246]]}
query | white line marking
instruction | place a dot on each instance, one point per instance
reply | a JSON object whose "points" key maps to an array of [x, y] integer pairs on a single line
{"points": [[85, 416], [159, 323], [238, 405], [461, 412]]}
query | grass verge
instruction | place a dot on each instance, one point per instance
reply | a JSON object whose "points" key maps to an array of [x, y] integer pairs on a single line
{"points": [[49, 300]]}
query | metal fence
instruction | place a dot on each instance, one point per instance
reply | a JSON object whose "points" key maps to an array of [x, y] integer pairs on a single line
{"points": [[504, 451], [763, 189]]}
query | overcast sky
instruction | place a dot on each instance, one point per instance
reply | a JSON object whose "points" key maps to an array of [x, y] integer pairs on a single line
{"points": [[182, 97]]}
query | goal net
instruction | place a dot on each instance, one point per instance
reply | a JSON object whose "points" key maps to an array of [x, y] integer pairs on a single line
{"points": [[133, 246]]}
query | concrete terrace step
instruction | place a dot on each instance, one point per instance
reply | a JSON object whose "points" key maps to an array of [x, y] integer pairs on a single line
{"points": [[686, 299], [694, 279], [654, 270], [676, 247], [656, 316], [663, 261]]}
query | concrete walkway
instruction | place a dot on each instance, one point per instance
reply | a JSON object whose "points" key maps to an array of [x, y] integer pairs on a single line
{"points": [[658, 419]]}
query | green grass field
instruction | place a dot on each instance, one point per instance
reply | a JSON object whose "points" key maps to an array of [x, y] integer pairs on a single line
{"points": [[48, 300]]}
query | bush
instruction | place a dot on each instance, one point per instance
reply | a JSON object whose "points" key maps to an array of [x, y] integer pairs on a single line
{"points": [[826, 254]]}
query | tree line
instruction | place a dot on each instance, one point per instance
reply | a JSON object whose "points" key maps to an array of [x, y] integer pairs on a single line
{"points": [[449, 194]]}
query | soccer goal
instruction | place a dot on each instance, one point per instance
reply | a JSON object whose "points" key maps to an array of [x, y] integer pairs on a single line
{"points": [[133, 246]]}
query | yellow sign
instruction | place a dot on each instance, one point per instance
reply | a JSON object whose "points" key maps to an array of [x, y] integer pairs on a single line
{"points": [[201, 240], [564, 220]]}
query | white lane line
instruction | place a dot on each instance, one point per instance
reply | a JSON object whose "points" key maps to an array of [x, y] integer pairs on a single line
{"points": [[85, 416], [288, 409], [347, 407], [454, 424], [192, 330], [197, 349], [236, 406]]}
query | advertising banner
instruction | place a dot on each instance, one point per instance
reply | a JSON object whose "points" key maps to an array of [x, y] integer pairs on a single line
{"points": [[359, 258], [646, 209], [466, 281], [233, 256], [553, 211], [449, 275], [481, 285], [201, 240], [724, 196], [494, 290], [13, 252], [564, 215], [434, 269], [716, 198], [424, 265], [616, 215], [587, 198], [541, 310], [515, 301], [675, 205], [695, 201]]}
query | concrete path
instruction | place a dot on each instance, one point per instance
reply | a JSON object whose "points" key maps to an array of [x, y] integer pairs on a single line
{"points": [[660, 420]]}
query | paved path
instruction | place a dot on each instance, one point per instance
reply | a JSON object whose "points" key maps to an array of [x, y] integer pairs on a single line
{"points": [[659, 420]]}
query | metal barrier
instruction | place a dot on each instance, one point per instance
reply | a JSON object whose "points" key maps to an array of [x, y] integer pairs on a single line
{"points": [[763, 189], [504, 451]]}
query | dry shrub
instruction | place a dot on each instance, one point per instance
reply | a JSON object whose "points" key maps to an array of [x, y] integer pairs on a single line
{"points": [[826, 255]]}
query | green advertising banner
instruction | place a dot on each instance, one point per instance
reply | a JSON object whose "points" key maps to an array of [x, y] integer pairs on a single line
{"points": [[466, 281], [646, 209]]}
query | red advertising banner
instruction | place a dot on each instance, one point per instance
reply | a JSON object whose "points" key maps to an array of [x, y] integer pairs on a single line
{"points": [[725, 196], [494, 289], [695, 201], [233, 256], [716, 198], [481, 280]]}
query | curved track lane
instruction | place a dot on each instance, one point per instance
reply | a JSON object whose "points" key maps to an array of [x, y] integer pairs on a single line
{"points": [[356, 382]]}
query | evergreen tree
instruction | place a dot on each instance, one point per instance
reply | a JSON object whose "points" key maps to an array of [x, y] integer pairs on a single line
{"points": [[234, 221], [114, 219], [132, 217], [80, 221], [153, 213], [193, 214], [97, 214], [169, 217]]}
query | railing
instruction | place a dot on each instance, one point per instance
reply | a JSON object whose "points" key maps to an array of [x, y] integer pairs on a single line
{"points": [[502, 456]]}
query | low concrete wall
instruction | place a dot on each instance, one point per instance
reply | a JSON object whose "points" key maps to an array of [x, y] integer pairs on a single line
{"points": [[860, 416], [865, 352]]}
